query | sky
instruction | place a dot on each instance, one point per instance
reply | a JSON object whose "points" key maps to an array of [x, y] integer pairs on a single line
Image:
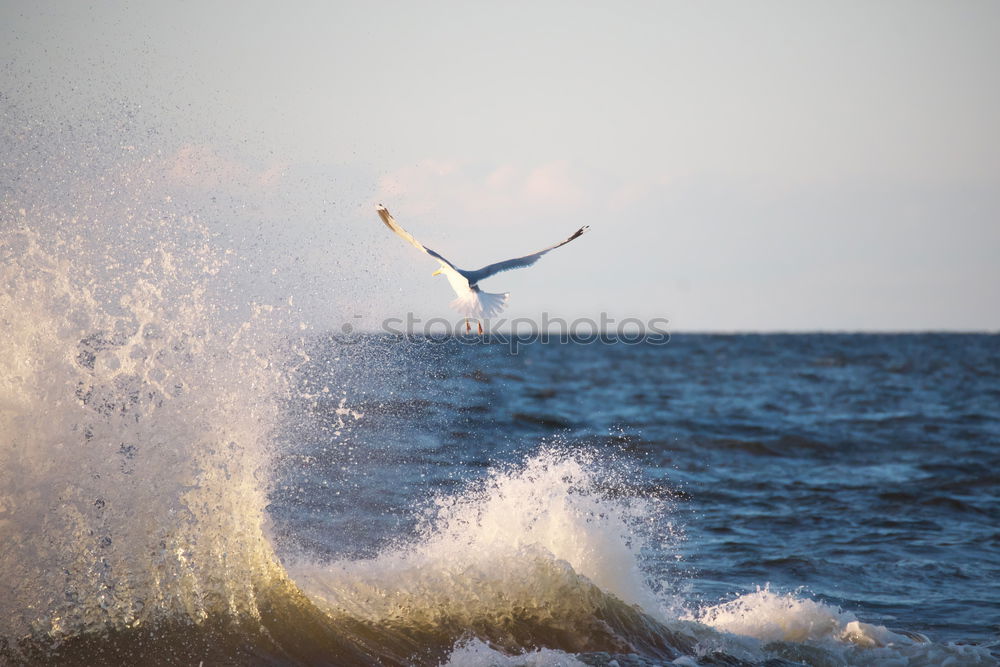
{"points": [[766, 166]]}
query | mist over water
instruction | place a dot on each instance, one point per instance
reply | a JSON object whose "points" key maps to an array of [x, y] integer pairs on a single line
{"points": [[136, 422], [139, 396], [189, 472]]}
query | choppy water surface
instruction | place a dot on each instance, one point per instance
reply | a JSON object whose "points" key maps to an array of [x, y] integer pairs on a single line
{"points": [[187, 477], [795, 479]]}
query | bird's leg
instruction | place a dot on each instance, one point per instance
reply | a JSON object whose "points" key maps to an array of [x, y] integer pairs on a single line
{"points": [[468, 327], [480, 327]]}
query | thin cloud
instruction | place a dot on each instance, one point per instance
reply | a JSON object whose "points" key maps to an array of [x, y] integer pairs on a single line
{"points": [[502, 191]]}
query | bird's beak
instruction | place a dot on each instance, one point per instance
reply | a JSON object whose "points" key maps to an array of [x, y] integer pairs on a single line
{"points": [[436, 273]]}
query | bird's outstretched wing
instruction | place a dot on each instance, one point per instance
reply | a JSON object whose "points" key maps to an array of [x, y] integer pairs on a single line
{"points": [[456, 277], [391, 223], [518, 262]]}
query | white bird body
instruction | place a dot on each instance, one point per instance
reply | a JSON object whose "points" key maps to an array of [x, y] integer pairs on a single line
{"points": [[471, 301]]}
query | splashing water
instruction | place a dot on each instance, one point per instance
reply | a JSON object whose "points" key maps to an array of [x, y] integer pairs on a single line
{"points": [[135, 427], [532, 554], [548, 514], [476, 653], [766, 624], [140, 396]]}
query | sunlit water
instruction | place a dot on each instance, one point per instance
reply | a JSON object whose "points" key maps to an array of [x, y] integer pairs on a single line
{"points": [[186, 477]]}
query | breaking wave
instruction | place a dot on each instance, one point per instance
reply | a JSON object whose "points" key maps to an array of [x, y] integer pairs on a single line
{"points": [[140, 406]]}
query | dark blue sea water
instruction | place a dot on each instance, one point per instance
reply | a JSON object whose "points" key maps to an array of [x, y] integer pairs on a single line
{"points": [[854, 470]]}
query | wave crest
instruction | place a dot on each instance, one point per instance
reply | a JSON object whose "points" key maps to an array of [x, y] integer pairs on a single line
{"points": [[136, 421], [533, 555]]}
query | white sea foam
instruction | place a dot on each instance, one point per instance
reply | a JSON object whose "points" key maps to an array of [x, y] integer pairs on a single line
{"points": [[134, 426], [765, 624], [533, 537], [476, 653], [527, 542]]}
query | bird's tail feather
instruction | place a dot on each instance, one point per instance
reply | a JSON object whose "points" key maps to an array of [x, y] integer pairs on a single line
{"points": [[480, 305]]}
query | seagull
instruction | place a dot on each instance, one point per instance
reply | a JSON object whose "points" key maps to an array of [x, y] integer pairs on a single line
{"points": [[471, 301]]}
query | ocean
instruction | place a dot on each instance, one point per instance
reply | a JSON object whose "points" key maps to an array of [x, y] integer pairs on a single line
{"points": [[193, 476]]}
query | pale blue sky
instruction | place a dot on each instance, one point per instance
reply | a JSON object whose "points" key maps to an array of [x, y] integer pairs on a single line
{"points": [[744, 166]]}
